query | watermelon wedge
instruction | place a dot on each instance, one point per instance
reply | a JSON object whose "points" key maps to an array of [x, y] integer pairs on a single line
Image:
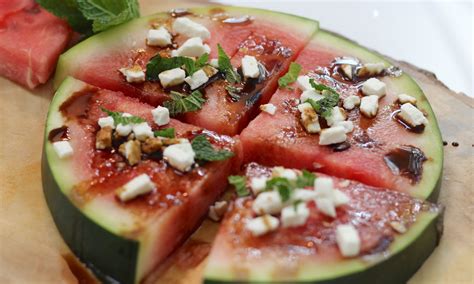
{"points": [[30, 42], [396, 234], [375, 144], [122, 240], [273, 38]]}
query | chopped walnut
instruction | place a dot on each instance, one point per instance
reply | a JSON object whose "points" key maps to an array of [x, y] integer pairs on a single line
{"points": [[131, 150], [217, 211], [103, 139], [209, 70], [152, 145]]}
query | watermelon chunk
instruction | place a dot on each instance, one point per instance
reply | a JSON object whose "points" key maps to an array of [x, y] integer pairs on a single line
{"points": [[30, 42], [274, 38], [397, 233], [123, 240], [281, 139]]}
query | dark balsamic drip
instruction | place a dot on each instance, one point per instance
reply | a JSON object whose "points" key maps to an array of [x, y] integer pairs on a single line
{"points": [[77, 106], [415, 129], [445, 143], [341, 146], [59, 134], [179, 12], [406, 161], [356, 66]]}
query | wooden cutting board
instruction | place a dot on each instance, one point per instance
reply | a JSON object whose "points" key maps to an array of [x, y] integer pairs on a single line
{"points": [[32, 251]]}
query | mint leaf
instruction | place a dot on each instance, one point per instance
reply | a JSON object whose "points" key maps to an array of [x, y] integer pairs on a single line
{"points": [[239, 182], [320, 87], [68, 10], [226, 67], [325, 105], [158, 64], [180, 103], [305, 179], [205, 152], [282, 185], [165, 132], [119, 119], [235, 93], [108, 13], [290, 76]]}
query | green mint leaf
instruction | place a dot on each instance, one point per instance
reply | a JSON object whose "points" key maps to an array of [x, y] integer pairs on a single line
{"points": [[235, 93], [158, 64], [206, 153], [108, 13], [226, 67], [325, 105], [305, 179], [239, 182], [320, 87], [296, 203], [165, 132], [119, 119], [282, 185], [291, 76], [68, 10], [180, 103]]}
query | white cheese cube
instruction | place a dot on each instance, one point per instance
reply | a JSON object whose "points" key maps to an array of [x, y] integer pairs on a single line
{"points": [[161, 115], [303, 195], [250, 67], [159, 37], [333, 135], [139, 185], [268, 108], [262, 225], [268, 202], [214, 62], [172, 77], [404, 98], [310, 94], [189, 28], [309, 118], [258, 184], [326, 206], [207, 49], [351, 102], [369, 106], [374, 87], [134, 74], [348, 125], [107, 121], [303, 83], [347, 70], [348, 240], [193, 47], [180, 156], [374, 68], [337, 115], [294, 216], [412, 115], [63, 149], [132, 151], [196, 80], [340, 198], [217, 210], [324, 186], [284, 173], [126, 114], [124, 129], [142, 131]]}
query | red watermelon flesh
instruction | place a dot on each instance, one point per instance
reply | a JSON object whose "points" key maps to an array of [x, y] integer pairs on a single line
{"points": [[101, 67], [31, 40], [282, 140], [239, 253], [274, 49], [164, 217], [8, 7]]}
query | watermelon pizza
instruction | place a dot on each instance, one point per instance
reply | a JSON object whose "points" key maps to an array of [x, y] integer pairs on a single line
{"points": [[331, 157]]}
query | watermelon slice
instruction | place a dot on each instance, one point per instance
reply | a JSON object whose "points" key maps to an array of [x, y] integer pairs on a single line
{"points": [[375, 144], [30, 42], [397, 233], [123, 240], [274, 38]]}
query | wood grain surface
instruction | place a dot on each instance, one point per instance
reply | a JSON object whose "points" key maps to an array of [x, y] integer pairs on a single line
{"points": [[32, 251]]}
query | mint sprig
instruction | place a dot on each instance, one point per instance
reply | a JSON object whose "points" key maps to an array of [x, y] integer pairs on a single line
{"points": [[206, 153], [180, 103], [165, 132], [282, 185], [239, 182], [325, 105], [290, 76], [120, 119], [158, 64], [226, 67], [306, 178]]}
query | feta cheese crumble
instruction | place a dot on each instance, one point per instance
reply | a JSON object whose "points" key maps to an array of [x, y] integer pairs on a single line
{"points": [[268, 202], [412, 115], [332, 135], [158, 37], [63, 149], [189, 28], [294, 216], [268, 108], [351, 102], [303, 83], [250, 67], [142, 131], [193, 47], [134, 74], [107, 121], [374, 87], [404, 98], [310, 94], [284, 173], [161, 115], [309, 118], [369, 106], [139, 185], [123, 129], [196, 80], [180, 156], [262, 225], [131, 150], [337, 115], [258, 184], [348, 125], [172, 77], [348, 240]]}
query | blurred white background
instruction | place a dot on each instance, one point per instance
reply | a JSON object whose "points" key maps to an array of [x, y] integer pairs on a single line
{"points": [[434, 35]]}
